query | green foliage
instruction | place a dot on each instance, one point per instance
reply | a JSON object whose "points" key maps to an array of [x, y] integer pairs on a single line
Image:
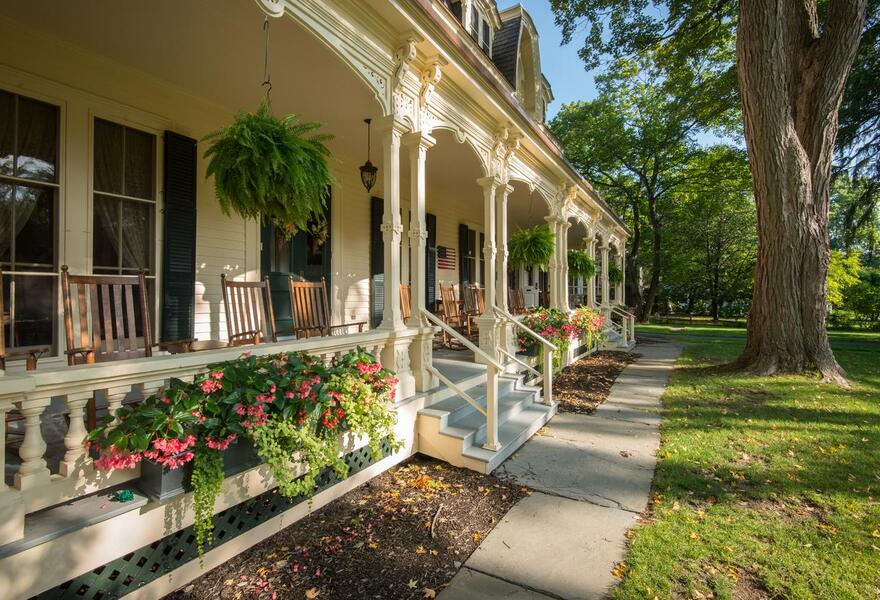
{"points": [[270, 168], [580, 264], [207, 479], [531, 247], [863, 297], [843, 272], [292, 405], [615, 275]]}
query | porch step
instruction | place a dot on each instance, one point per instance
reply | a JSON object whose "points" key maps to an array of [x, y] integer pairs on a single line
{"points": [[614, 341], [453, 430]]}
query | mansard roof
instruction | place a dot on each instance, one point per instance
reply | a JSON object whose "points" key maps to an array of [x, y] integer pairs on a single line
{"points": [[506, 48]]}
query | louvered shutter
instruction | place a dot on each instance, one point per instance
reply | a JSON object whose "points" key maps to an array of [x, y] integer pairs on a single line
{"points": [[377, 261], [178, 237]]}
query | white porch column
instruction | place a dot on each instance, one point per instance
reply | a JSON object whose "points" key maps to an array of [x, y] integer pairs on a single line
{"points": [[507, 337], [553, 270], [421, 353], [396, 353], [620, 294], [606, 289], [590, 243], [487, 323], [563, 270], [392, 227]]}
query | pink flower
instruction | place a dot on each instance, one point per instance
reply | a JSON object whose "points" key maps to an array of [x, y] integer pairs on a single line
{"points": [[220, 444], [218, 375], [112, 458], [211, 385], [368, 368]]}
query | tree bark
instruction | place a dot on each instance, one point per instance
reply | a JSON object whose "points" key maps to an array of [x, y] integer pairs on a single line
{"points": [[653, 287], [633, 294], [792, 81]]}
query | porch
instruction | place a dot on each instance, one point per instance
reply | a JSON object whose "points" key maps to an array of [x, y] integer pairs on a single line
{"points": [[100, 101]]}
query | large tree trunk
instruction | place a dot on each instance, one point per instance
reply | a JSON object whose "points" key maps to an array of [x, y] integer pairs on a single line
{"points": [[633, 293], [654, 285], [792, 81]]}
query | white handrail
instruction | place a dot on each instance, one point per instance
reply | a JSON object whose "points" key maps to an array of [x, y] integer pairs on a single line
{"points": [[549, 349], [462, 339], [493, 368], [522, 363], [454, 387], [547, 343]]}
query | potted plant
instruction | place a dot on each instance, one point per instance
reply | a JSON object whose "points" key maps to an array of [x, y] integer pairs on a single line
{"points": [[271, 168], [615, 275], [289, 408], [531, 247], [580, 264]]}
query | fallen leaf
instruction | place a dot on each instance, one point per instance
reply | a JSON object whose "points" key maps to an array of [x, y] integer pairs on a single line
{"points": [[420, 550], [477, 536], [312, 593], [429, 593], [413, 584]]}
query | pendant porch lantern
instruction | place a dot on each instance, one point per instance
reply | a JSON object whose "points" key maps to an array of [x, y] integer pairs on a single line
{"points": [[368, 170]]}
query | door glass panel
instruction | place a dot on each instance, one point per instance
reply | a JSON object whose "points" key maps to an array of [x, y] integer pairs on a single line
{"points": [[108, 156], [34, 224], [37, 140], [31, 309], [7, 132]]}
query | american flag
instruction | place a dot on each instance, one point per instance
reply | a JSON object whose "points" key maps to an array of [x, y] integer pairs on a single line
{"points": [[445, 258]]}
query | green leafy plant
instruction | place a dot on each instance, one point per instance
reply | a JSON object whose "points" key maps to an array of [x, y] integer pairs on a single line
{"points": [[531, 247], [580, 264], [615, 275], [271, 168], [559, 328], [291, 405]]}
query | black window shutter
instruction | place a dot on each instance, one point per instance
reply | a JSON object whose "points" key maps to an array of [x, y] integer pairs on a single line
{"points": [[464, 255], [179, 237], [377, 261], [431, 262]]}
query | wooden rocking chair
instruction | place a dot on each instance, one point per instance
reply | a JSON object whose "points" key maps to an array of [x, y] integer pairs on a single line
{"points": [[249, 315], [452, 315], [516, 301], [100, 324], [311, 310], [473, 305]]}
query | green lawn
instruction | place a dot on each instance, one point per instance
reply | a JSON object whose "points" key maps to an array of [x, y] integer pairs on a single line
{"points": [[765, 486]]}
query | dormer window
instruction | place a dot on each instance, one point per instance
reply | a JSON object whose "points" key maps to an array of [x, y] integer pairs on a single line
{"points": [[480, 30]]}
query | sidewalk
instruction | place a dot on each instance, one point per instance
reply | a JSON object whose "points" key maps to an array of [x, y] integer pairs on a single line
{"points": [[592, 475]]}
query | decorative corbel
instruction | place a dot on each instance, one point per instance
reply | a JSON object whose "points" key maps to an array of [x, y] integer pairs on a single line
{"points": [[430, 78], [403, 57]]}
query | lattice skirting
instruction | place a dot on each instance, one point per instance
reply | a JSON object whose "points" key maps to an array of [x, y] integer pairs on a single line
{"points": [[130, 572]]}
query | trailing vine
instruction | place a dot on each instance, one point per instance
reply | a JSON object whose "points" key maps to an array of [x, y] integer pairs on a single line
{"points": [[207, 480]]}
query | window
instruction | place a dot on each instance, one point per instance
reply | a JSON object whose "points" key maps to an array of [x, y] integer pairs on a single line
{"points": [[484, 39], [475, 23], [29, 143], [124, 221]]}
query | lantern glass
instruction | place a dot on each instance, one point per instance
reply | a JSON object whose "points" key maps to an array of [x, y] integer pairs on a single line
{"points": [[368, 175]]}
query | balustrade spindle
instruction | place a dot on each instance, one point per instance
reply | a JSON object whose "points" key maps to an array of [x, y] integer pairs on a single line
{"points": [[33, 470], [76, 433]]}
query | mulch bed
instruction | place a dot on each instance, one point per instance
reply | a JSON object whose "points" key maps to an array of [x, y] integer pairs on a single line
{"points": [[404, 534], [584, 385]]}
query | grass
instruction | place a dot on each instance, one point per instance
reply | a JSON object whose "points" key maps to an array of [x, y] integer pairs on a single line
{"points": [[765, 487], [701, 329]]}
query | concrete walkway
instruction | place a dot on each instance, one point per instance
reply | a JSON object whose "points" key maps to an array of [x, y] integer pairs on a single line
{"points": [[592, 475]]}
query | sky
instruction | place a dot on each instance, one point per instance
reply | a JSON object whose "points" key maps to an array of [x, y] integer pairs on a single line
{"points": [[560, 64]]}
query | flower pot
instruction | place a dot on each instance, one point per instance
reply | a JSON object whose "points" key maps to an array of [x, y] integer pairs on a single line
{"points": [[240, 456], [161, 483]]}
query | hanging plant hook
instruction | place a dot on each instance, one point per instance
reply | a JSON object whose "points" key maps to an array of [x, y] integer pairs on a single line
{"points": [[267, 79]]}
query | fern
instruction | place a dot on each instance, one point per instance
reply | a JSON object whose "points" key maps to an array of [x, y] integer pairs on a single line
{"points": [[270, 168], [580, 264], [531, 247], [615, 275]]}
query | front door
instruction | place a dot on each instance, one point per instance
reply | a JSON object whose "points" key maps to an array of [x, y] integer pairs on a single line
{"points": [[305, 256]]}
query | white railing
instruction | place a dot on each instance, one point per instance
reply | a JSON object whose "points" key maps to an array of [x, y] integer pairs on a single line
{"points": [[627, 327], [493, 369], [32, 393], [547, 351]]}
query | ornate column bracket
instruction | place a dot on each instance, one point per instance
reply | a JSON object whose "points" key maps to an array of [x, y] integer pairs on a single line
{"points": [[404, 55]]}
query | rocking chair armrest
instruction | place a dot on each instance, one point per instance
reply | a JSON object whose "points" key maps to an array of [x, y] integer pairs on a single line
{"points": [[252, 337], [84, 350], [32, 356]]}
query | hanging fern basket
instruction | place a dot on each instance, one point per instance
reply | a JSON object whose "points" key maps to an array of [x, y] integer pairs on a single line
{"points": [[580, 264], [270, 168], [615, 275], [531, 247]]}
